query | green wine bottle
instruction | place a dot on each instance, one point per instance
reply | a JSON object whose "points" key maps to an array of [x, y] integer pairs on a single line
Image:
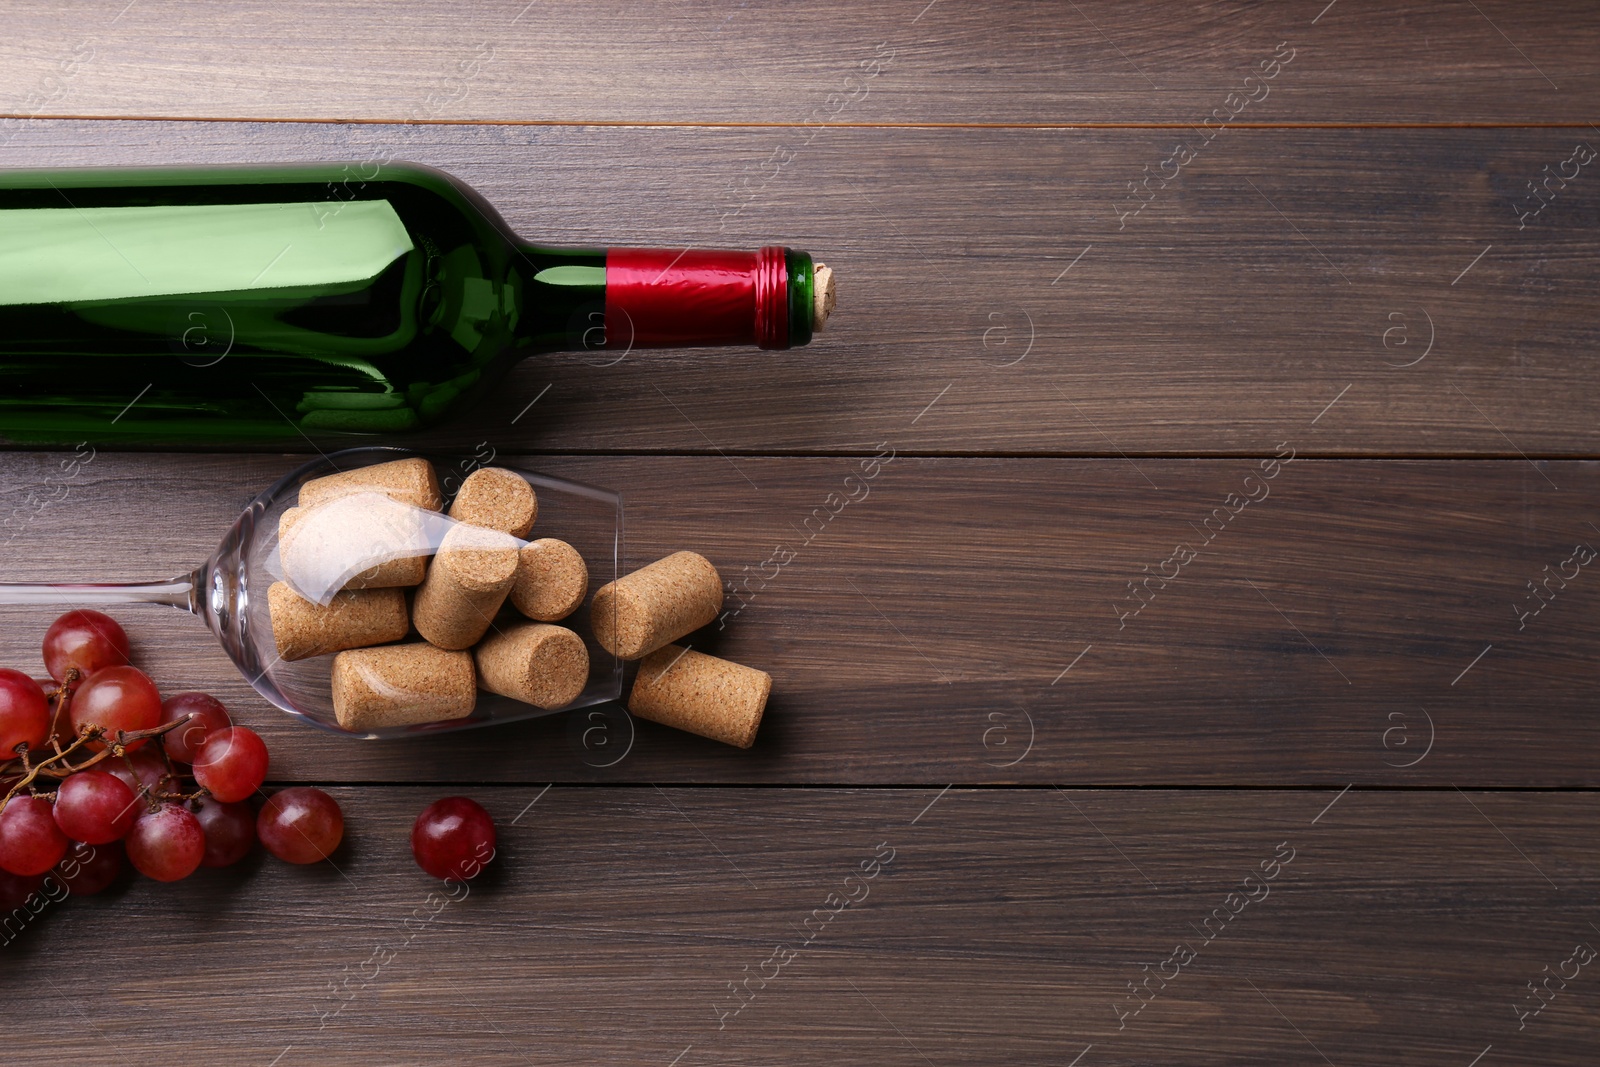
{"points": [[216, 304]]}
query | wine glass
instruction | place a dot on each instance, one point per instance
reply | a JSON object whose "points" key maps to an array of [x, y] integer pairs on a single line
{"points": [[229, 591]]}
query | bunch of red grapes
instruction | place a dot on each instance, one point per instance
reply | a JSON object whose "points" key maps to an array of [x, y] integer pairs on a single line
{"points": [[162, 785]]}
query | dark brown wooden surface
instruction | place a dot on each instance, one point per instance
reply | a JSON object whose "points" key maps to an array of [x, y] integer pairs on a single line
{"points": [[1069, 390], [1403, 929], [682, 62], [1284, 266], [1324, 636]]}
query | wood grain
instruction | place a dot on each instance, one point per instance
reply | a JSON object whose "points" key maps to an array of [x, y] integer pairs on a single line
{"points": [[1068, 388], [1334, 631], [1281, 271], [1402, 929], [678, 61]]}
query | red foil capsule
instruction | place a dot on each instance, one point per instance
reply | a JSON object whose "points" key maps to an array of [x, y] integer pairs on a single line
{"points": [[661, 297]]}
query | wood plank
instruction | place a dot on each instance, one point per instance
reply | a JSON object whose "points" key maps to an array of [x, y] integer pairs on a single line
{"points": [[1282, 271], [1335, 631], [676, 61], [1402, 929]]}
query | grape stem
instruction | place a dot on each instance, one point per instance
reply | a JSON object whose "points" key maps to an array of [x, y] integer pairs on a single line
{"points": [[62, 695], [169, 777], [198, 794], [56, 766]]}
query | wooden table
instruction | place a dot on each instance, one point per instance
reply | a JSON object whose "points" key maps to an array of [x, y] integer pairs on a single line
{"points": [[1326, 796]]}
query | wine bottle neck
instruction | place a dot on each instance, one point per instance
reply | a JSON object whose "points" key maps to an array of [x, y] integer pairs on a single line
{"points": [[625, 298]]}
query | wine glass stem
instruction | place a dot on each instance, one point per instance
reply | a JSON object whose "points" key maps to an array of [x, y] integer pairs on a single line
{"points": [[178, 593]]}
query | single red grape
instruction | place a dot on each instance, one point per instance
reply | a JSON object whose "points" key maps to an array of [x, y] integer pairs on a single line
{"points": [[87, 640], [453, 838], [89, 869], [24, 713], [166, 844], [206, 716], [30, 840], [95, 807], [16, 890], [232, 763], [117, 698], [143, 776], [300, 824], [230, 831]]}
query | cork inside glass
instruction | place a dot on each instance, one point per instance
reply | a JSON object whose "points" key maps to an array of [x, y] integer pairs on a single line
{"points": [[587, 517]]}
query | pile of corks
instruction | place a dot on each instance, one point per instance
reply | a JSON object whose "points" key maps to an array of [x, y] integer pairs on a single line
{"points": [[481, 563]]}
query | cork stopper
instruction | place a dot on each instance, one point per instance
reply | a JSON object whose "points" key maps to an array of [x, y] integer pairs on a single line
{"points": [[552, 580], [639, 612], [410, 481], [497, 499], [357, 533], [536, 663], [302, 629], [823, 296], [401, 685], [466, 584], [702, 694]]}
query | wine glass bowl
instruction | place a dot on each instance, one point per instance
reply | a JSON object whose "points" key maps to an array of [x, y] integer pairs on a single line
{"points": [[229, 590]]}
